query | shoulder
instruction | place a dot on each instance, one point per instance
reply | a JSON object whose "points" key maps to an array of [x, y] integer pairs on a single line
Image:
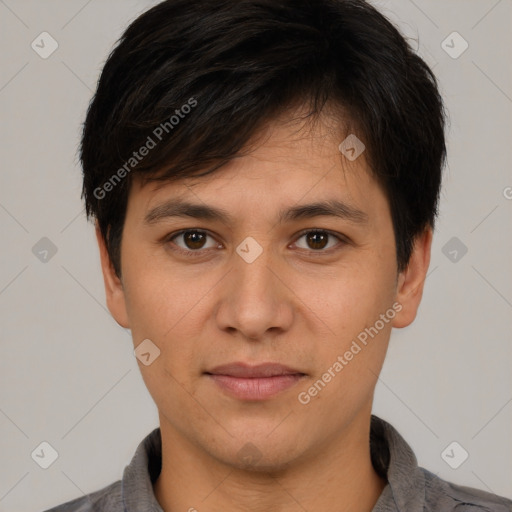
{"points": [[107, 499], [441, 495], [412, 488]]}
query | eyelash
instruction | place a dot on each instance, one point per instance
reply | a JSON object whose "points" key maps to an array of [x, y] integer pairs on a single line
{"points": [[201, 252]]}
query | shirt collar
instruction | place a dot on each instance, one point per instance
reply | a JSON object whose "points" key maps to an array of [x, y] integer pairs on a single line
{"points": [[391, 456], [139, 476]]}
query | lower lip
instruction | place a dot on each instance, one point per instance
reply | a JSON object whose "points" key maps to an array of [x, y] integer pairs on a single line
{"points": [[259, 388]]}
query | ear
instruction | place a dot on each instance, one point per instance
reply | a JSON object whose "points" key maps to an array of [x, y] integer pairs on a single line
{"points": [[114, 291], [411, 280]]}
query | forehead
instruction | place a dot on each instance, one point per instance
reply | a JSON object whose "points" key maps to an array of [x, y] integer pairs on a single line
{"points": [[289, 161]]}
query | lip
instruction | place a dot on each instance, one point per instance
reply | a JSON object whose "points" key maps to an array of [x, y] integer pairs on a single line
{"points": [[254, 382], [248, 371]]}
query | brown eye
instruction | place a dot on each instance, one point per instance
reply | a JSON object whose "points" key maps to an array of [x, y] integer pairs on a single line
{"points": [[192, 240], [317, 240]]}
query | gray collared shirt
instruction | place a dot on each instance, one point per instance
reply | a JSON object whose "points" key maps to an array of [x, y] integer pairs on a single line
{"points": [[409, 488]]}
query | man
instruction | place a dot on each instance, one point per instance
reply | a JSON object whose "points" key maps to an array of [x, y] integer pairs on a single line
{"points": [[265, 177]]}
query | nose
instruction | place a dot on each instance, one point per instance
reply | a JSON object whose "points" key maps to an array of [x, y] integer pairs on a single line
{"points": [[255, 300]]}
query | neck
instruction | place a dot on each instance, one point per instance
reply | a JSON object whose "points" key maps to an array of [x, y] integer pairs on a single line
{"points": [[339, 476]]}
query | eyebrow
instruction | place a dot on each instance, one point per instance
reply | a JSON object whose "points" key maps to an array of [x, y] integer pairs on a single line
{"points": [[328, 208]]}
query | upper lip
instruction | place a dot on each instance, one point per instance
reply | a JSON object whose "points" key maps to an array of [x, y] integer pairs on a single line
{"points": [[244, 370]]}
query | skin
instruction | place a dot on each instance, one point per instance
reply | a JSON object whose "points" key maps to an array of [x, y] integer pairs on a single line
{"points": [[298, 304]]}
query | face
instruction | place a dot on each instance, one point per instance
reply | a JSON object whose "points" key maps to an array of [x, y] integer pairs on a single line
{"points": [[297, 301]]}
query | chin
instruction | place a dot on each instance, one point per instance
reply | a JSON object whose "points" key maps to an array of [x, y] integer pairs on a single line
{"points": [[259, 454]]}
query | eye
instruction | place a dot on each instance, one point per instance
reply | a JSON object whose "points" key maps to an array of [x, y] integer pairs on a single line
{"points": [[318, 240], [193, 240]]}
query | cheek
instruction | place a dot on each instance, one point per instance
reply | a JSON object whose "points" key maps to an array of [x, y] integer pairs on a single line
{"points": [[350, 300], [159, 300], [351, 303], [170, 309]]}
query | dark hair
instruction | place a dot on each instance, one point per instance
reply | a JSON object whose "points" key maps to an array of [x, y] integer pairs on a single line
{"points": [[211, 73]]}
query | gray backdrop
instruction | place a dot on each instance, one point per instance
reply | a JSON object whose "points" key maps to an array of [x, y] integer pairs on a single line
{"points": [[68, 374]]}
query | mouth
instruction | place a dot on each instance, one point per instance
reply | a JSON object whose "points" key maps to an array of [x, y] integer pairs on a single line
{"points": [[254, 383]]}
